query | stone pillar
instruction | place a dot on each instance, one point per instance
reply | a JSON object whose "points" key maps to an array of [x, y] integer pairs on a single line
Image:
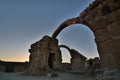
{"points": [[103, 18], [54, 49], [108, 39], [109, 49]]}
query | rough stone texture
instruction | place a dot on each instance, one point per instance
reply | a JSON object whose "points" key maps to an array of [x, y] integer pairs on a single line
{"points": [[13, 66], [93, 66], [44, 56], [77, 60], [103, 18], [2, 67], [94, 63], [109, 74], [97, 63], [39, 57], [21, 67], [54, 49]]}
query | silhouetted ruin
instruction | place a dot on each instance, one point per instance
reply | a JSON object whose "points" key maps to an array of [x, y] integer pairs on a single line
{"points": [[77, 60], [102, 17], [45, 55], [6, 66]]}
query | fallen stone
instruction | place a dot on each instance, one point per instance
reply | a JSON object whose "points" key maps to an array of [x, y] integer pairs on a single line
{"points": [[52, 75]]}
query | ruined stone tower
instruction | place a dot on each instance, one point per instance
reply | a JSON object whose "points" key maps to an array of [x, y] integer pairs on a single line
{"points": [[44, 55]]}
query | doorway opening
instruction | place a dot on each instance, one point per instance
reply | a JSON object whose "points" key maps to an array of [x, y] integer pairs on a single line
{"points": [[51, 59]]}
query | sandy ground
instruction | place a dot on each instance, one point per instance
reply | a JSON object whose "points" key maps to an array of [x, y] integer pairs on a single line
{"points": [[61, 76]]}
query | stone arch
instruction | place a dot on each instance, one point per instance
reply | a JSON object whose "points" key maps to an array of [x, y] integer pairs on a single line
{"points": [[67, 48], [102, 17], [65, 24], [73, 52], [77, 60]]}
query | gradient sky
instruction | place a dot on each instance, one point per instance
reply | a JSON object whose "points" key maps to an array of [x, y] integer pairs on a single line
{"points": [[23, 22]]}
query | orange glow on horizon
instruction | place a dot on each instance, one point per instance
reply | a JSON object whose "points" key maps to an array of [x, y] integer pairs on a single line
{"points": [[15, 60], [19, 58]]}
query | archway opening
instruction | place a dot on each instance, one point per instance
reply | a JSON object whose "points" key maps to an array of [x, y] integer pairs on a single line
{"points": [[81, 38], [51, 59], [65, 55]]}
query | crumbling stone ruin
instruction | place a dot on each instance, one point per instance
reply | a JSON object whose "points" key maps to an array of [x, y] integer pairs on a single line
{"points": [[102, 17], [94, 63], [93, 66], [44, 56], [13, 66], [77, 60]]}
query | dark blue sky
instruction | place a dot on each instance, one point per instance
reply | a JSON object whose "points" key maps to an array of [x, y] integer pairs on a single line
{"points": [[23, 22]]}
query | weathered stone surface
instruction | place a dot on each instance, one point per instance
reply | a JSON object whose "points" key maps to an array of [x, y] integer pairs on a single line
{"points": [[94, 63], [52, 75], [102, 17], [39, 57], [97, 63], [109, 74], [2, 67], [44, 55], [13, 66], [54, 49], [77, 60]]}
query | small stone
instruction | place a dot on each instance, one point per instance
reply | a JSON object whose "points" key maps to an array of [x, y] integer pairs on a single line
{"points": [[52, 75]]}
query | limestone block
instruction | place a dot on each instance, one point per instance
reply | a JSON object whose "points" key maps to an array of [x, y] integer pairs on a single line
{"points": [[114, 30], [101, 35]]}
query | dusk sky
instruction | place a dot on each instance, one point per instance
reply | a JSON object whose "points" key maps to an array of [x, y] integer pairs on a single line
{"points": [[23, 22]]}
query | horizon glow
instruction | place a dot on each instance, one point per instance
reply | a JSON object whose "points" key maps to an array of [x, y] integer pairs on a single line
{"points": [[24, 22]]}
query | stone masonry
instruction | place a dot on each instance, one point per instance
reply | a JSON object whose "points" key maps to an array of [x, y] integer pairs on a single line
{"points": [[77, 60], [103, 18], [44, 55]]}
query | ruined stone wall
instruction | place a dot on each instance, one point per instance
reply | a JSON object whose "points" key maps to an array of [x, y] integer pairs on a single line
{"points": [[44, 55], [77, 60], [13, 66], [2, 67], [54, 49], [38, 60], [102, 17]]}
